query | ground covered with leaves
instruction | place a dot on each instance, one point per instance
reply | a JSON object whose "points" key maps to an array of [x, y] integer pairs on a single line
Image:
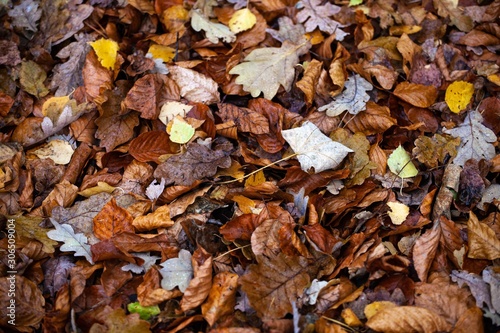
{"points": [[246, 166]]}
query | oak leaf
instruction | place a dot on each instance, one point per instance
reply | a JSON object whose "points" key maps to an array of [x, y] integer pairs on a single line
{"points": [[314, 149], [353, 99], [214, 31], [432, 151], [28, 228], [197, 162], [264, 69], [72, 242], [476, 139], [274, 283], [26, 15], [315, 14]]}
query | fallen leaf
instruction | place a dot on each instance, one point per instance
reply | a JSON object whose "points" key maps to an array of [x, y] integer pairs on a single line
{"points": [[274, 283], [265, 69], [416, 94], [195, 87], [197, 162], [145, 312], [150, 146], [449, 9], [458, 95], [72, 242], [407, 319], [112, 220], [314, 14], [160, 218], [222, 297], [177, 272], [26, 15], [181, 131], [310, 79], [59, 151], [432, 151], [242, 20], [483, 242], [165, 53], [213, 31], [314, 149], [424, 251], [400, 163], [353, 99], [117, 321], [32, 78], [398, 213], [199, 286], [476, 139], [106, 51]]}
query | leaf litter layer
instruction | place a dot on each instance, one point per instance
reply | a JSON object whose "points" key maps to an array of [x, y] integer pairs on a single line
{"points": [[248, 166]]}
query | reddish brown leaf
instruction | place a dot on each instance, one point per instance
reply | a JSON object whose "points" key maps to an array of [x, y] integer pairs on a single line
{"points": [[483, 242], [424, 251], [149, 146], [241, 227], [246, 119], [375, 119], [112, 220], [416, 94], [199, 286]]}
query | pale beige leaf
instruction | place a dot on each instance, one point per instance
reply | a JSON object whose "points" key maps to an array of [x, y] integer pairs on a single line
{"points": [[406, 319], [195, 87], [214, 31]]}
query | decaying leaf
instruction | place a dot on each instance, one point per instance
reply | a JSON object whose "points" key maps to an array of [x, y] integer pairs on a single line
{"points": [[476, 139], [483, 242], [352, 100], [315, 14], [314, 149], [195, 87], [214, 31], [398, 212]]}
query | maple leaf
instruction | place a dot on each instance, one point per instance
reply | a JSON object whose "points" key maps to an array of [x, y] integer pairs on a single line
{"points": [[265, 69], [353, 99], [476, 139], [314, 149], [197, 162], [177, 272], [72, 242], [214, 31], [26, 15], [316, 15]]}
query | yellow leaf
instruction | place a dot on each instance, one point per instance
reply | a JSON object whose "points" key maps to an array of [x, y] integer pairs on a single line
{"points": [[398, 212], [165, 53], [242, 20], [314, 37], [256, 179], [54, 105], [101, 187], [372, 308], [180, 131], [458, 95], [106, 51], [174, 18], [244, 203], [59, 151], [399, 163]]}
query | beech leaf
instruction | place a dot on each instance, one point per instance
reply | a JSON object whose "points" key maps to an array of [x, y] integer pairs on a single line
{"points": [[483, 242], [242, 20], [106, 51], [266, 68], [177, 272], [458, 95], [353, 99], [195, 87], [72, 242], [476, 139], [314, 149], [399, 163]]}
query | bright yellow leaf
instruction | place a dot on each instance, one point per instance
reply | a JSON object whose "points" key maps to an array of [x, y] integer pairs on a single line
{"points": [[398, 212], [399, 162], [458, 95], [242, 20], [256, 179], [165, 53], [180, 131], [244, 203], [106, 50]]}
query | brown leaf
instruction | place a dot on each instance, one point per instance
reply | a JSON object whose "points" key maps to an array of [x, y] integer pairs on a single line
{"points": [[56, 319], [160, 218], [321, 237], [148, 94], [199, 286], [375, 119], [28, 310], [117, 321], [240, 227], [112, 220], [246, 119], [6, 103], [470, 321], [113, 277], [424, 251], [114, 130], [483, 242], [197, 162], [96, 78], [150, 293], [407, 319], [308, 82], [274, 283], [416, 94], [222, 297], [271, 142], [149, 146]]}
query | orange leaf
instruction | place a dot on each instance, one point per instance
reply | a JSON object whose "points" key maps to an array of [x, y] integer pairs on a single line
{"points": [[160, 218], [222, 297], [112, 220], [416, 94], [149, 146]]}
